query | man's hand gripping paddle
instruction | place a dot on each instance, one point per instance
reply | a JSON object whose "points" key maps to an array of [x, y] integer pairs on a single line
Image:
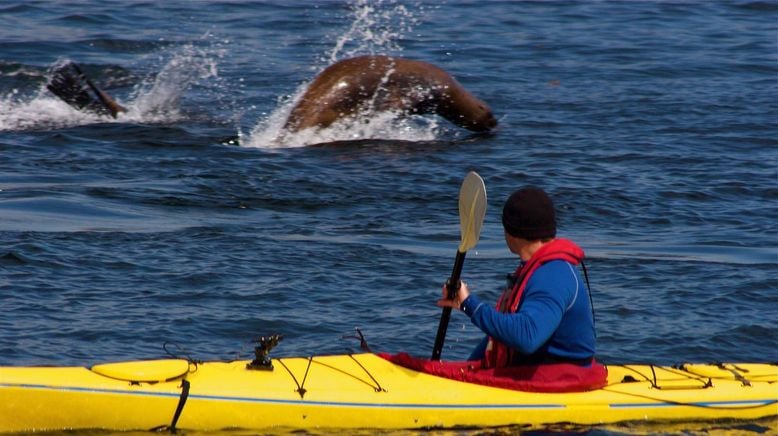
{"points": [[472, 207]]}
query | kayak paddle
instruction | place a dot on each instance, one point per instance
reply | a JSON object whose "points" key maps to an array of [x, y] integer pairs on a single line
{"points": [[472, 207]]}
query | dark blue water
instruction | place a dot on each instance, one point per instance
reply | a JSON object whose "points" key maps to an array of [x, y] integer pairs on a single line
{"points": [[654, 125]]}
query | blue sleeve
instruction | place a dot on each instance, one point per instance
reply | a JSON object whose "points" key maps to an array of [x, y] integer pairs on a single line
{"points": [[545, 300]]}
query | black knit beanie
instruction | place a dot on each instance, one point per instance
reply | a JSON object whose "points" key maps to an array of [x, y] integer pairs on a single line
{"points": [[529, 214]]}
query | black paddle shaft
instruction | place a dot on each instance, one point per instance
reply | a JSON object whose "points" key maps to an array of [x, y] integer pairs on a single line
{"points": [[452, 286]]}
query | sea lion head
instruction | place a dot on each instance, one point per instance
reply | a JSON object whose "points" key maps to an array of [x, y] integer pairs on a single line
{"points": [[465, 110], [481, 119]]}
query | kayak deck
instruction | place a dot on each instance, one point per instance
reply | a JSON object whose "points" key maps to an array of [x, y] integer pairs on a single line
{"points": [[361, 391]]}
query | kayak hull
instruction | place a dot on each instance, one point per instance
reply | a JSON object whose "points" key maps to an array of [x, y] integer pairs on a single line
{"points": [[360, 391]]}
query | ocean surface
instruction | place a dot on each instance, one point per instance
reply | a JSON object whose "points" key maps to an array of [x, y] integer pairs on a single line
{"points": [[653, 125]]}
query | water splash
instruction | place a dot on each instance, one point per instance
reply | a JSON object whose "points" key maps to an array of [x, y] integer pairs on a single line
{"points": [[155, 100], [158, 100], [41, 112], [376, 28], [380, 125]]}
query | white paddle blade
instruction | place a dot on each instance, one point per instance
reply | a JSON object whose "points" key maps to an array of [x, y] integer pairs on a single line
{"points": [[472, 208]]}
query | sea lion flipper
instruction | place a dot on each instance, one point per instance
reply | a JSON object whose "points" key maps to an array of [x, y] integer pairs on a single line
{"points": [[71, 85]]}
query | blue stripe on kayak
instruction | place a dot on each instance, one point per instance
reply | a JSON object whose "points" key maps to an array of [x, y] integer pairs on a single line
{"points": [[739, 403], [278, 401], [90, 390], [383, 405]]}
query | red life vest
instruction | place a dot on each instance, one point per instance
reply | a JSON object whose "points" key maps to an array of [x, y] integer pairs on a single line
{"points": [[497, 354]]}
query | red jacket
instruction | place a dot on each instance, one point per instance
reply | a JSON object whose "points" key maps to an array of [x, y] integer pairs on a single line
{"points": [[498, 354]]}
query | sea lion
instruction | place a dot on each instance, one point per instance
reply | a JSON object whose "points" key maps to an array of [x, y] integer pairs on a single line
{"points": [[364, 84], [380, 83]]}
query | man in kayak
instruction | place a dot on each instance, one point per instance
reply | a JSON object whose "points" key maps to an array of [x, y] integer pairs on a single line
{"points": [[545, 314]]}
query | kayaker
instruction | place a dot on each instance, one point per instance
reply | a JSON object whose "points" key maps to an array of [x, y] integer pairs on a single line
{"points": [[545, 313]]}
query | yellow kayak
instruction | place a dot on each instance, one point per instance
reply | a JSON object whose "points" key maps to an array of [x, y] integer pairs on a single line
{"points": [[360, 391]]}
